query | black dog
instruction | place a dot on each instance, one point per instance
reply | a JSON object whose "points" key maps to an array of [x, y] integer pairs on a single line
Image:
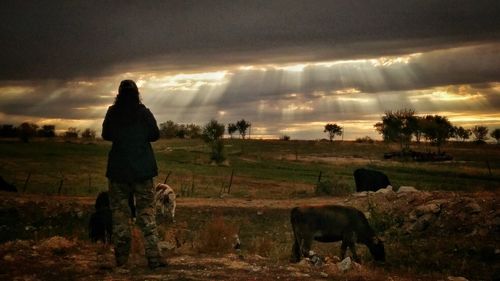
{"points": [[101, 221]]}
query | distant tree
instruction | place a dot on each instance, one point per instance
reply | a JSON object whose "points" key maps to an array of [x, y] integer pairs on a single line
{"points": [[8, 131], [47, 131], [231, 129], [418, 125], [193, 131], [398, 126], [496, 135], [212, 134], [88, 134], [27, 131], [480, 134], [437, 129], [71, 133], [332, 130], [461, 133], [243, 126], [285, 138], [181, 131], [169, 129]]}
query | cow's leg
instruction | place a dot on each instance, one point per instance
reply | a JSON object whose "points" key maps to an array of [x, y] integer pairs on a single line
{"points": [[349, 241], [295, 251], [343, 249], [306, 245], [355, 257]]}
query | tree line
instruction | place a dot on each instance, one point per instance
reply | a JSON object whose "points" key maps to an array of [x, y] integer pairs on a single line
{"points": [[27, 131], [400, 126], [170, 129], [404, 125]]}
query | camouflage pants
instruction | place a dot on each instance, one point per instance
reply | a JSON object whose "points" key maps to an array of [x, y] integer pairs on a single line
{"points": [[118, 195]]}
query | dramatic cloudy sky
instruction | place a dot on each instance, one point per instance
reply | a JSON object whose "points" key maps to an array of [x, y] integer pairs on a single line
{"points": [[289, 67]]}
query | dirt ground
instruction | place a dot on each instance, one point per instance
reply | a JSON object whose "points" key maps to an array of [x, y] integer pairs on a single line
{"points": [[471, 216]]}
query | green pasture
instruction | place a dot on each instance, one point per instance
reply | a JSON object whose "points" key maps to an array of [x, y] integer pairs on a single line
{"points": [[260, 168]]}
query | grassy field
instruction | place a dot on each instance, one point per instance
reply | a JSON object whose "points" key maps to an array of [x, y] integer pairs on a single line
{"points": [[457, 242], [262, 168]]}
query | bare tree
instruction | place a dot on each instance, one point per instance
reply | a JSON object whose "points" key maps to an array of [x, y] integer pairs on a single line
{"points": [[242, 126], [332, 130], [231, 129], [480, 134], [496, 135]]}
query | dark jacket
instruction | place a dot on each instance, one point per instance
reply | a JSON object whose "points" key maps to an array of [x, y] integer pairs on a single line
{"points": [[131, 130]]}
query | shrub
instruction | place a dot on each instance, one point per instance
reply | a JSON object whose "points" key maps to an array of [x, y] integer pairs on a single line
{"points": [[366, 139], [285, 138], [217, 236], [332, 187]]}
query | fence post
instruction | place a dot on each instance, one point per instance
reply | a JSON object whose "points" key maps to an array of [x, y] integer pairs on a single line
{"points": [[26, 181], [60, 184], [192, 184], [489, 168], [230, 182], [166, 178], [90, 184]]}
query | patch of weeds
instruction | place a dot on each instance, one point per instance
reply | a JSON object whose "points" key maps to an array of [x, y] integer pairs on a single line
{"points": [[380, 221], [217, 236], [333, 187]]}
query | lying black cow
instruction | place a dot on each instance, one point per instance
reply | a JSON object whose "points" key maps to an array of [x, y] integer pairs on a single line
{"points": [[331, 224], [101, 222], [5, 186], [370, 180]]}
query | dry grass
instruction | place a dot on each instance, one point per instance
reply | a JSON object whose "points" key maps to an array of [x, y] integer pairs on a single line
{"points": [[217, 236]]}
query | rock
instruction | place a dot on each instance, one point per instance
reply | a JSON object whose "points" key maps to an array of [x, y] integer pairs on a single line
{"points": [[407, 189], [386, 190], [453, 278], [300, 275], [304, 263], [323, 274], [8, 258], [360, 194], [432, 208], [22, 244], [421, 223], [56, 244], [473, 208], [166, 245], [316, 260], [345, 264], [333, 259]]}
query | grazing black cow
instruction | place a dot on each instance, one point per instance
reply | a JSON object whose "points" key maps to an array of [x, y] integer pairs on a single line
{"points": [[5, 186], [331, 224], [370, 180], [101, 222]]}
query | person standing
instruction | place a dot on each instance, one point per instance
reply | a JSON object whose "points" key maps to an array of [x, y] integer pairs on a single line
{"points": [[131, 126]]}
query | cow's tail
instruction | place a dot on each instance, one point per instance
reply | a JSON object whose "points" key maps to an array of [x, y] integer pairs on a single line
{"points": [[297, 241]]}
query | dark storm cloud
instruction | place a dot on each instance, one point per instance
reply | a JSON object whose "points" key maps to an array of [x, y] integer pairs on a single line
{"points": [[466, 65], [66, 39], [55, 100]]}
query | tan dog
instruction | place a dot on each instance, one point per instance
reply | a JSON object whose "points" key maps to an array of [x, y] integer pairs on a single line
{"points": [[165, 199]]}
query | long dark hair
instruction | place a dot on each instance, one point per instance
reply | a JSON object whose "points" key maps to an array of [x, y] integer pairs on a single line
{"points": [[128, 95]]}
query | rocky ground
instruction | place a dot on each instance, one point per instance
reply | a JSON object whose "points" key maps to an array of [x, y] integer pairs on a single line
{"points": [[454, 234]]}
